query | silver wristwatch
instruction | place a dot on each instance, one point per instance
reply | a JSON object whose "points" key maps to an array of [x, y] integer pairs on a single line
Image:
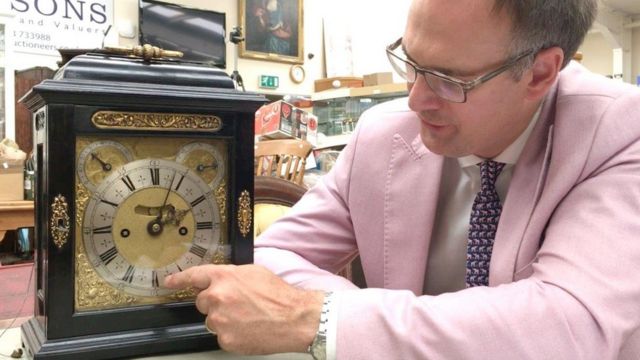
{"points": [[318, 348]]}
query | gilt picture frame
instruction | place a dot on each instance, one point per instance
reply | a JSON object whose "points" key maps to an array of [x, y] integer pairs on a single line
{"points": [[273, 30]]}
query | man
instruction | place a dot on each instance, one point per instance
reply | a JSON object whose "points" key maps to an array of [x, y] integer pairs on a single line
{"points": [[558, 279]]}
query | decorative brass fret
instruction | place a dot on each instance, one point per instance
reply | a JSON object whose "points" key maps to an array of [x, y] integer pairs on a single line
{"points": [[221, 199], [156, 121], [59, 221], [244, 213]]}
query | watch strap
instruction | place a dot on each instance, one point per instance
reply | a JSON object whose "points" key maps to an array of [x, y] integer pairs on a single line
{"points": [[318, 348]]}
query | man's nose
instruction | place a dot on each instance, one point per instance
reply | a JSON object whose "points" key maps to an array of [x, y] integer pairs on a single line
{"points": [[422, 97]]}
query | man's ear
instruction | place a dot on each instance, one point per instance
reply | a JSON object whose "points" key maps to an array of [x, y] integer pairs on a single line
{"points": [[543, 73]]}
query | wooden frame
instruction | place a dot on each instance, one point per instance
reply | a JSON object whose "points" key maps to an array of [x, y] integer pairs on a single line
{"points": [[273, 30]]}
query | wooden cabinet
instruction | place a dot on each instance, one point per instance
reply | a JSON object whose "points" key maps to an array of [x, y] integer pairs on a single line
{"points": [[24, 81]]}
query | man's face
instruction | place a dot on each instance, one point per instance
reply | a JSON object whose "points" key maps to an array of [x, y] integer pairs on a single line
{"points": [[464, 39]]}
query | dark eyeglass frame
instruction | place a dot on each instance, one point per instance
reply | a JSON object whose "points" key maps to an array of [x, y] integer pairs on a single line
{"points": [[466, 86]]}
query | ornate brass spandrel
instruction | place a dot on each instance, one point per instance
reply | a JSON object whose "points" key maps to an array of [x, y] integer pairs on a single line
{"points": [[221, 199], [93, 292], [245, 213], [182, 295], [82, 195], [59, 221], [156, 121], [222, 255]]}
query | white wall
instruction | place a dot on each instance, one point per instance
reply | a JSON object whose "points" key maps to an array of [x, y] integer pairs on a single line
{"points": [[598, 54]]}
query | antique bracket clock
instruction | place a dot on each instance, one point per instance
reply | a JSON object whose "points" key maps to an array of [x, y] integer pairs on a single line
{"points": [[144, 169]]}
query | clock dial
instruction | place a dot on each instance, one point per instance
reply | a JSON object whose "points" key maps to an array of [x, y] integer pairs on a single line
{"points": [[100, 159], [296, 73], [203, 159], [149, 219]]}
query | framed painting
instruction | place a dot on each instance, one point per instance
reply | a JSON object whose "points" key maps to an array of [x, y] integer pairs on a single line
{"points": [[273, 30]]}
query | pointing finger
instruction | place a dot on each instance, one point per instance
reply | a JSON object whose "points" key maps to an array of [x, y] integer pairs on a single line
{"points": [[196, 277]]}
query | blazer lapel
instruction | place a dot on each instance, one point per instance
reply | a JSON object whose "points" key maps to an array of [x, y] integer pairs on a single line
{"points": [[524, 192], [411, 194]]}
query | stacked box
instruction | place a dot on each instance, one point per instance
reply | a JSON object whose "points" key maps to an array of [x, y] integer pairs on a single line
{"points": [[275, 120], [11, 181], [281, 120]]}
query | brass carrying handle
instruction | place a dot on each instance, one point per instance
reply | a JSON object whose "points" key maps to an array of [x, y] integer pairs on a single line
{"points": [[145, 51]]}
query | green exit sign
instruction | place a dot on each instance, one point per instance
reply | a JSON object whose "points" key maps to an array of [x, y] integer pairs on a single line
{"points": [[269, 81]]}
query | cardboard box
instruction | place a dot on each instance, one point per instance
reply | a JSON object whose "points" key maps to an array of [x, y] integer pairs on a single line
{"points": [[380, 78], [275, 120], [281, 120], [11, 183]]}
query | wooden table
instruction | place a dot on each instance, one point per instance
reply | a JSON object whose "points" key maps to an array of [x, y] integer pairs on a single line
{"points": [[14, 215]]}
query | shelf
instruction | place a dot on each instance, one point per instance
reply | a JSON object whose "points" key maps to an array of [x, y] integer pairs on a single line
{"points": [[367, 91], [332, 141]]}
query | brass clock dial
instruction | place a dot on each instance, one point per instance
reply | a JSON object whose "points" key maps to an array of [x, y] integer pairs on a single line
{"points": [[99, 159], [160, 209], [149, 219], [203, 159]]}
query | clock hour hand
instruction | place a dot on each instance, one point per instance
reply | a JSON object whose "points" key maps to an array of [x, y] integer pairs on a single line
{"points": [[105, 165], [156, 225]]}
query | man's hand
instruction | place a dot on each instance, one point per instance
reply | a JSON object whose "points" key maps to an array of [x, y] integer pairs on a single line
{"points": [[252, 310]]}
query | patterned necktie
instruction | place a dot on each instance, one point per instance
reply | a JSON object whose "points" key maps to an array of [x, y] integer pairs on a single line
{"points": [[485, 214]]}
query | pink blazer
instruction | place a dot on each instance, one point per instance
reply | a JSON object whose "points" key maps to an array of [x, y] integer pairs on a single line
{"points": [[565, 271]]}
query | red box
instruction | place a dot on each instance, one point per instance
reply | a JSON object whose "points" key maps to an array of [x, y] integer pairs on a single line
{"points": [[276, 120]]}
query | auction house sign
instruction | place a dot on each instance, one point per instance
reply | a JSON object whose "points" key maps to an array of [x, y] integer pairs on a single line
{"points": [[43, 26]]}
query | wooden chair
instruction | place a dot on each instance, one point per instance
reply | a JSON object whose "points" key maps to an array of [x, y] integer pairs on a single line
{"points": [[273, 198], [283, 159]]}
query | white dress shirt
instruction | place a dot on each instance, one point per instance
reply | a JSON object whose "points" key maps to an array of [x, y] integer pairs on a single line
{"points": [[446, 266]]}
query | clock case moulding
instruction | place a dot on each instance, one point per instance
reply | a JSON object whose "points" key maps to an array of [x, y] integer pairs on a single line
{"points": [[62, 109]]}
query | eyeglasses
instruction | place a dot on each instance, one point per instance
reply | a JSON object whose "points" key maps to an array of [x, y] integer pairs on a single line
{"points": [[446, 87]]}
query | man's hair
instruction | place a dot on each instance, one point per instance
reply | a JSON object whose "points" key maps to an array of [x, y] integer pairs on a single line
{"points": [[541, 24]]}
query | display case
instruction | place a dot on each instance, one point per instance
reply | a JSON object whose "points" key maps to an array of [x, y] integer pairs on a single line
{"points": [[338, 110]]}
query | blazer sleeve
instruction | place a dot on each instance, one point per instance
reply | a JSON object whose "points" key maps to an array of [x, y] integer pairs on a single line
{"points": [[580, 302], [316, 238]]}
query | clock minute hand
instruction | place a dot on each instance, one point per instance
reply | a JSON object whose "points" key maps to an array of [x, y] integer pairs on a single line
{"points": [[164, 203]]}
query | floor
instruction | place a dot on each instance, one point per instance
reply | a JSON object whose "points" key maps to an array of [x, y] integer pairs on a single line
{"points": [[16, 294]]}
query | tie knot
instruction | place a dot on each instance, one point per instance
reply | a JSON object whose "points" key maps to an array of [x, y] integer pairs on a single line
{"points": [[489, 171]]}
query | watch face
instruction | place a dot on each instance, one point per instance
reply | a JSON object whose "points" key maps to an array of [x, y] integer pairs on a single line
{"points": [[159, 209]]}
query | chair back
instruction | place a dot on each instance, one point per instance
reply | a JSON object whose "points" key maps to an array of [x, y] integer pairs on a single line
{"points": [[283, 159]]}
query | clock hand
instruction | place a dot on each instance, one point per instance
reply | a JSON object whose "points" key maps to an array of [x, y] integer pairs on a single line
{"points": [[105, 165], [156, 225], [201, 168], [180, 214], [164, 203]]}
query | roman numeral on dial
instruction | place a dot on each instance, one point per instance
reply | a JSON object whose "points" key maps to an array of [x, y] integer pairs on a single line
{"points": [[205, 225], [109, 255], [198, 250], [128, 275]]}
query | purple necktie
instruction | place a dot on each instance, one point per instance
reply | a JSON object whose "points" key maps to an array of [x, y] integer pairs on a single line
{"points": [[485, 215]]}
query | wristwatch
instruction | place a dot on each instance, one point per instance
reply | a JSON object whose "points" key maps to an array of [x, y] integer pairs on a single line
{"points": [[318, 348]]}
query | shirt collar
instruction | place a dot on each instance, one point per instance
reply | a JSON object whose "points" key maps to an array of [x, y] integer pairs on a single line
{"points": [[509, 155]]}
